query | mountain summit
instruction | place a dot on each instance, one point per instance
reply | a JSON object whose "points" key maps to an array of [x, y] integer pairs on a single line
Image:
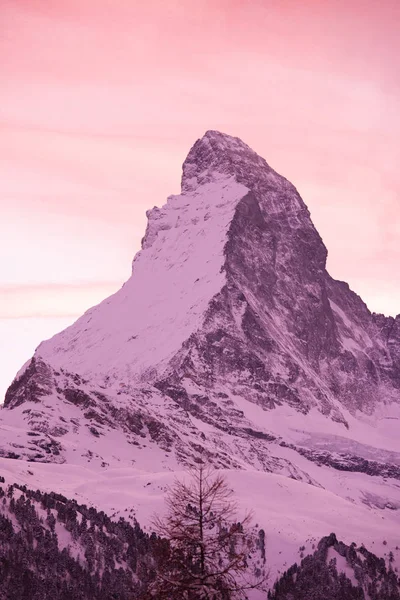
{"points": [[228, 321]]}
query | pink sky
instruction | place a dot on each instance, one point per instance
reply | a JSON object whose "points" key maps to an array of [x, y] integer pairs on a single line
{"points": [[102, 99]]}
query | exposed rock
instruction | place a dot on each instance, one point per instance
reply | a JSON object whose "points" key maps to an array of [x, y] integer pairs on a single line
{"points": [[33, 383]]}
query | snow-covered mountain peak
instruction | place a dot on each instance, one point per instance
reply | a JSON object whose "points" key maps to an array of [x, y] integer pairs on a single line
{"points": [[218, 153], [229, 315]]}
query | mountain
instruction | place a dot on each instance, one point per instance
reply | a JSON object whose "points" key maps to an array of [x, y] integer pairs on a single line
{"points": [[230, 342]]}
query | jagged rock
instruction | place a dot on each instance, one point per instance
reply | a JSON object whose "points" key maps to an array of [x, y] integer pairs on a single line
{"points": [[33, 383]]}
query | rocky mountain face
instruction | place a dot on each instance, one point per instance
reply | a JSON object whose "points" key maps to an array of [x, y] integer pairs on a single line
{"points": [[230, 340], [281, 330]]}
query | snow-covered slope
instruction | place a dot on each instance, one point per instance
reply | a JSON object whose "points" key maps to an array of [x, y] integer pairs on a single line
{"points": [[229, 342], [293, 514], [174, 277]]}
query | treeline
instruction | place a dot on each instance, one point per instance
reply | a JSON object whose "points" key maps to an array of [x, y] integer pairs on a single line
{"points": [[52, 548], [103, 559]]}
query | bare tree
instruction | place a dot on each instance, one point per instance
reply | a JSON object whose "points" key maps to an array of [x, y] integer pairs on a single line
{"points": [[209, 548]]}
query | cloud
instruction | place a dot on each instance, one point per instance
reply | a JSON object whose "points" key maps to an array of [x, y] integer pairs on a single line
{"points": [[52, 300]]}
